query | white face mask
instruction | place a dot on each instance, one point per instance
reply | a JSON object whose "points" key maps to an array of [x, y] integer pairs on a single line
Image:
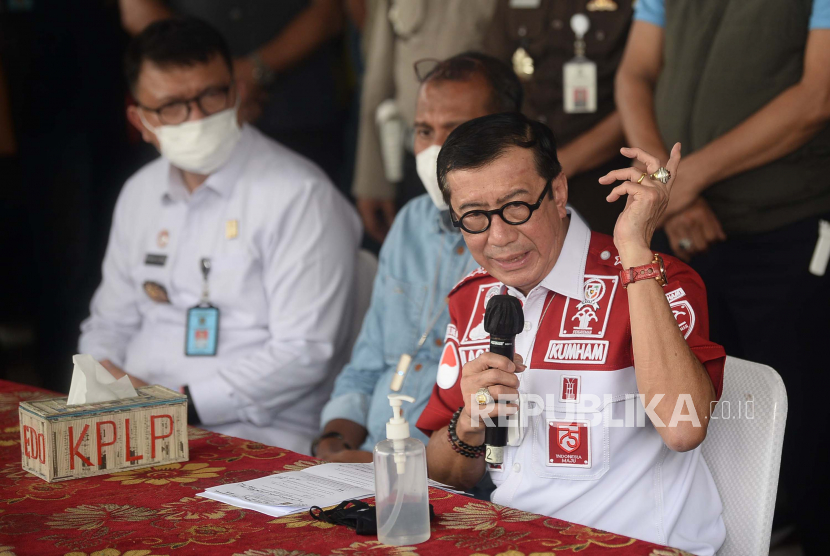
{"points": [[200, 146], [426, 162]]}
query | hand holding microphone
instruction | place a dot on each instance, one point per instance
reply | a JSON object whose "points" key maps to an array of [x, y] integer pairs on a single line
{"points": [[503, 319], [496, 371]]}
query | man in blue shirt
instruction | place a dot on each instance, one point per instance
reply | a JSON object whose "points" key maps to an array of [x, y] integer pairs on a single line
{"points": [[423, 257]]}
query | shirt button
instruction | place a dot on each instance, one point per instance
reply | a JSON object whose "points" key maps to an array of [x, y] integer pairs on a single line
{"points": [[459, 250], [522, 31], [556, 24], [439, 342], [517, 467], [528, 325], [605, 255], [418, 367], [600, 35]]}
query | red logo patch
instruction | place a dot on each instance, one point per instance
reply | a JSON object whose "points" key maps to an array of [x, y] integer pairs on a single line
{"points": [[684, 315], [449, 367], [569, 444], [588, 318]]}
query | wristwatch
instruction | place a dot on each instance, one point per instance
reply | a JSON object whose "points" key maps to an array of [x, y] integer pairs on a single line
{"points": [[655, 269]]}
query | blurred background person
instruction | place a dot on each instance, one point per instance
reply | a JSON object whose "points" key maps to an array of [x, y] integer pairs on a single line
{"points": [[745, 87], [422, 259], [399, 33], [286, 61], [230, 266], [567, 54]]}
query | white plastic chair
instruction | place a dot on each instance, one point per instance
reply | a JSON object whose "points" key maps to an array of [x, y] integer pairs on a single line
{"points": [[367, 268], [743, 450]]}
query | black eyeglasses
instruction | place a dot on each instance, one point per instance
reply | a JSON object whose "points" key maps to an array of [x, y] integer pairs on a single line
{"points": [[513, 213], [210, 101]]}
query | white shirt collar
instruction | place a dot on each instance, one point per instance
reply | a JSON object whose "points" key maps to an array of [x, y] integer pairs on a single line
{"points": [[568, 274]]}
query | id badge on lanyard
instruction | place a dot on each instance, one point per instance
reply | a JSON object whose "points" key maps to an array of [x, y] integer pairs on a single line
{"points": [[579, 75], [202, 330]]}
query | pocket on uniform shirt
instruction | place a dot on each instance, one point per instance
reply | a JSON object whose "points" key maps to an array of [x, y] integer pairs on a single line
{"points": [[235, 278], [571, 445], [402, 307]]}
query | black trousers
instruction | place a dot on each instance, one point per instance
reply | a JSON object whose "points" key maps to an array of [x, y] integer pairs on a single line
{"points": [[765, 306]]}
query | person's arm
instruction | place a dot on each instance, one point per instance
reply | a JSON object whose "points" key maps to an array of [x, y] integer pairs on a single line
{"points": [[138, 14], [308, 257], [374, 194], [319, 22], [634, 87], [114, 315], [783, 125], [665, 366], [498, 374], [593, 148]]}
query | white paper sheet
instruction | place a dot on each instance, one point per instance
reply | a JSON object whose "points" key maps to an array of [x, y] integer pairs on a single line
{"points": [[297, 491]]}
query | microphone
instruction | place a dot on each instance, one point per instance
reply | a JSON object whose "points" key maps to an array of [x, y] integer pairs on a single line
{"points": [[503, 319]]}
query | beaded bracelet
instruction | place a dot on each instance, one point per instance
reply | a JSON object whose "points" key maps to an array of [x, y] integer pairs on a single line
{"points": [[460, 447]]}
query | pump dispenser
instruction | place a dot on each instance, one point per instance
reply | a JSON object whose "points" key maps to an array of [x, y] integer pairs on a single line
{"points": [[401, 493]]}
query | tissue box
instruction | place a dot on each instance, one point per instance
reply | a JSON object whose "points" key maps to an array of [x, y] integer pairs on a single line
{"points": [[60, 442]]}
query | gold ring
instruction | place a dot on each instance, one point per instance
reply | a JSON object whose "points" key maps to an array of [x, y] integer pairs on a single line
{"points": [[483, 396], [642, 177]]}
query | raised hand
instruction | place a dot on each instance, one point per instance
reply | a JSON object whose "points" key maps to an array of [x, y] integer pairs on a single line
{"points": [[646, 203]]}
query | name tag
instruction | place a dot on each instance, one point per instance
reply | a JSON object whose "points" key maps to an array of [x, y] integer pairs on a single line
{"points": [[155, 260], [580, 83], [202, 336]]}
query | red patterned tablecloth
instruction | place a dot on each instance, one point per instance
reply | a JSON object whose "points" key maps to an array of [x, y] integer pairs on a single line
{"points": [[154, 512]]}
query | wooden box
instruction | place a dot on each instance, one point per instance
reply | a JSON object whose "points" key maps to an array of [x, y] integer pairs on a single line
{"points": [[60, 442]]}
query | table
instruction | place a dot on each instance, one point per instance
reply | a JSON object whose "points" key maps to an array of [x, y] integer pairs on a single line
{"points": [[154, 511]]}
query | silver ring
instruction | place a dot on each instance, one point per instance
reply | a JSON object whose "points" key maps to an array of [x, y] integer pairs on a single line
{"points": [[483, 396], [685, 243], [662, 175]]}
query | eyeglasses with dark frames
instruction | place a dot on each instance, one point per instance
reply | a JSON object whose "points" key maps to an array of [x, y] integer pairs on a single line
{"points": [[513, 213], [210, 101]]}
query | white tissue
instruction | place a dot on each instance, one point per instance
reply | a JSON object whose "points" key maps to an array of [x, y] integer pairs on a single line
{"points": [[92, 383]]}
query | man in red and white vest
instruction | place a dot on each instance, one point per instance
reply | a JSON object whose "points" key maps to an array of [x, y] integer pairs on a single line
{"points": [[614, 375]]}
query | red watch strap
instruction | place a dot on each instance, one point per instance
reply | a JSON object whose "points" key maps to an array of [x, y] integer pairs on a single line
{"points": [[642, 272]]}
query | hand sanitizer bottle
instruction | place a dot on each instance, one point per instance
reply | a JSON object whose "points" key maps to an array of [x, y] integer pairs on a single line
{"points": [[401, 494]]}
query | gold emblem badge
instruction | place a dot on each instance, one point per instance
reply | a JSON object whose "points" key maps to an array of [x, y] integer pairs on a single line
{"points": [[156, 292], [602, 6], [231, 229]]}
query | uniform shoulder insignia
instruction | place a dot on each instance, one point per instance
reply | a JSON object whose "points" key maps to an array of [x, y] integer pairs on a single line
{"points": [[477, 273]]}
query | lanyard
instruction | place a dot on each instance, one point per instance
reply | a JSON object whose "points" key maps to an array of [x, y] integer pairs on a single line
{"points": [[204, 264]]}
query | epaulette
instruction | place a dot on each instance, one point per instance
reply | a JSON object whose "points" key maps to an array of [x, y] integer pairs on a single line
{"points": [[477, 273]]}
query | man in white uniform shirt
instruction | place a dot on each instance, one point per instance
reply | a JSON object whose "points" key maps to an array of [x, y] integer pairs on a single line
{"points": [[614, 356], [226, 223]]}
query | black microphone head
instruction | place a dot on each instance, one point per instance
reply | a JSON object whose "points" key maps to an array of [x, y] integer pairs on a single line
{"points": [[504, 316]]}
